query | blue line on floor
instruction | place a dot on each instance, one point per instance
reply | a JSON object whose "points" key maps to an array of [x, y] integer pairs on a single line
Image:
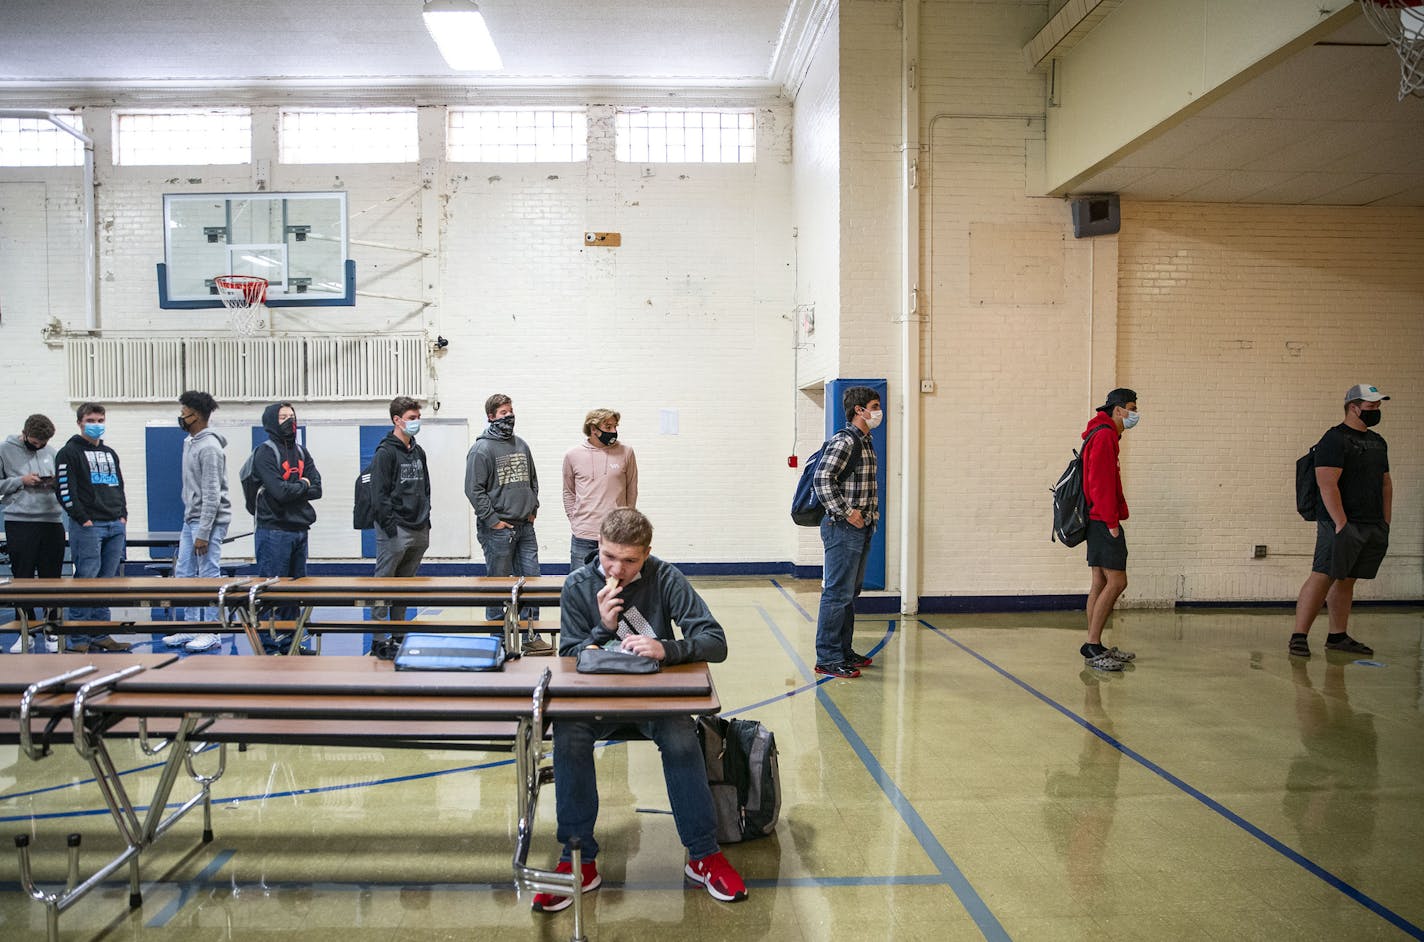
{"points": [[949, 871], [190, 888], [790, 598], [1275, 844]]}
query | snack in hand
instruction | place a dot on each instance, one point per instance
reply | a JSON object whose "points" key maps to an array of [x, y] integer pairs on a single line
{"points": [[612, 583]]}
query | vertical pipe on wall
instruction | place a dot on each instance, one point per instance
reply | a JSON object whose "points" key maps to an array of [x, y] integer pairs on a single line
{"points": [[91, 284], [910, 434]]}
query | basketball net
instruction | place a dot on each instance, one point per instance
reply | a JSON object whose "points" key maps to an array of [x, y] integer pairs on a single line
{"points": [[1402, 23], [243, 296]]}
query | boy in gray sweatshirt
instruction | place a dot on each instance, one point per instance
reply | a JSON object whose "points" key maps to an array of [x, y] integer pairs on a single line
{"points": [[34, 532], [206, 510]]}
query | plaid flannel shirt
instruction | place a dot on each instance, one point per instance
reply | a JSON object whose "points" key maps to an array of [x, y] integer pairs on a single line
{"points": [[858, 490]]}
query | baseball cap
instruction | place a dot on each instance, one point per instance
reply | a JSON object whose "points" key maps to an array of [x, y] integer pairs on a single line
{"points": [[1118, 397], [1365, 392]]}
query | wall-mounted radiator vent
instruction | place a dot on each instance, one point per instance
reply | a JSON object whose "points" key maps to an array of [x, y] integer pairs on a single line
{"points": [[247, 369]]}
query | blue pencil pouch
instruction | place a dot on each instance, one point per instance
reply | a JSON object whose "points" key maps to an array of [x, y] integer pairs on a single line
{"points": [[450, 653]]}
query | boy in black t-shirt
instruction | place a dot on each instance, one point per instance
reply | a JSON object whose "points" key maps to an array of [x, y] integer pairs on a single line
{"points": [[1352, 532]]}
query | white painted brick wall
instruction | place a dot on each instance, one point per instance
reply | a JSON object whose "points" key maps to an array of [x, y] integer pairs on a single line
{"points": [[692, 313]]}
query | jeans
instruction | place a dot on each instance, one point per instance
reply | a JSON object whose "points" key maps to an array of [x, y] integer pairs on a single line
{"points": [[842, 575], [98, 553], [36, 551], [581, 552], [684, 771], [509, 551], [398, 555], [209, 565], [281, 553]]}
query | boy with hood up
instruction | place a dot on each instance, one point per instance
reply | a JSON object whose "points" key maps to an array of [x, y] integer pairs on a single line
{"points": [[288, 482], [206, 510], [33, 529]]}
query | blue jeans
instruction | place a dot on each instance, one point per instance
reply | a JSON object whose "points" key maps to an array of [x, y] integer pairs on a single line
{"points": [[209, 565], [509, 551], [684, 770], [98, 553], [842, 574], [281, 553], [581, 552]]}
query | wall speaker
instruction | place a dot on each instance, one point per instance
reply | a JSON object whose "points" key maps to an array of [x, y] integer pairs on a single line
{"points": [[1096, 215]]}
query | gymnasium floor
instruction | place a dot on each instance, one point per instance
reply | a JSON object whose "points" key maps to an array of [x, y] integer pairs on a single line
{"points": [[973, 784]]}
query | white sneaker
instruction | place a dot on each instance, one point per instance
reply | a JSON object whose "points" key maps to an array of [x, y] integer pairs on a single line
{"points": [[39, 645], [178, 640], [202, 643]]}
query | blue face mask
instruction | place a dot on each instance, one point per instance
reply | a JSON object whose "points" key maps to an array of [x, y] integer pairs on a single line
{"points": [[1131, 419], [94, 429], [412, 427]]}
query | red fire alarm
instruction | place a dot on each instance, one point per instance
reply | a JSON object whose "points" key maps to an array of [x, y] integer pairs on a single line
{"points": [[791, 461]]}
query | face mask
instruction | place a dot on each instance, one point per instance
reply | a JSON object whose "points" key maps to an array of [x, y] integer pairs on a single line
{"points": [[29, 445], [506, 423], [94, 430], [289, 428], [182, 424], [412, 427], [873, 419], [1371, 417], [1131, 419], [607, 438]]}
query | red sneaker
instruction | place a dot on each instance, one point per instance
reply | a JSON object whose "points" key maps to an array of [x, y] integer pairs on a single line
{"points": [[719, 876], [552, 903]]}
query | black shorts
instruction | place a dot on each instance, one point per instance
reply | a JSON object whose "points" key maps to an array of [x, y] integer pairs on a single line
{"points": [[1104, 549], [1354, 553]]}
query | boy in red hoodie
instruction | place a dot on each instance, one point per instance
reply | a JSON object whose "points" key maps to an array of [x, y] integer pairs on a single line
{"points": [[1107, 509]]}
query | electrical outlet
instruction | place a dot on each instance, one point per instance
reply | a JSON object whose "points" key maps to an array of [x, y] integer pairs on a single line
{"points": [[927, 386], [1260, 552]]}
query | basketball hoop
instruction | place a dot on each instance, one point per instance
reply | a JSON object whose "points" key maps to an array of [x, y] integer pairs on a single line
{"points": [[1402, 23], [243, 296]]}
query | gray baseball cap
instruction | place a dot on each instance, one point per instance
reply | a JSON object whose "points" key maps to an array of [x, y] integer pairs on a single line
{"points": [[1365, 392]]}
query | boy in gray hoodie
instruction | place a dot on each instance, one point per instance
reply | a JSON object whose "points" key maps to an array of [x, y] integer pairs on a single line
{"points": [[34, 532], [206, 510]]}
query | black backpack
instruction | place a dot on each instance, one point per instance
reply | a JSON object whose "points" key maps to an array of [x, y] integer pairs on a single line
{"points": [[806, 509], [363, 506], [247, 476], [1070, 505], [744, 775], [1307, 489]]}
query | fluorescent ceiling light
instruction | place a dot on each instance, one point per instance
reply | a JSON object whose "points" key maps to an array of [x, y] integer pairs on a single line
{"points": [[459, 30]]}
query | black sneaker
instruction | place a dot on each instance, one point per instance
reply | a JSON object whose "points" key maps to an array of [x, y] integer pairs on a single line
{"points": [[859, 661], [1299, 646], [837, 670]]}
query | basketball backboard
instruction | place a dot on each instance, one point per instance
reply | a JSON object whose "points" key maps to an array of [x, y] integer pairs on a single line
{"points": [[297, 241]]}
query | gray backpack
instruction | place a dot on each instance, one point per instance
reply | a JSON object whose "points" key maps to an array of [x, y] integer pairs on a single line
{"points": [[744, 775]]}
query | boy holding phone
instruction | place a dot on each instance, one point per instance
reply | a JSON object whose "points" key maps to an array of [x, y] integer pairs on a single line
{"points": [[33, 527]]}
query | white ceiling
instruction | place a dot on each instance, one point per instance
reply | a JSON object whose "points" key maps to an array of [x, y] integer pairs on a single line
{"points": [[89, 42], [1323, 127]]}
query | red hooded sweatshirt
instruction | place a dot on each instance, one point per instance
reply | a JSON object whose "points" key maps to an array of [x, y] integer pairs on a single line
{"points": [[1102, 479]]}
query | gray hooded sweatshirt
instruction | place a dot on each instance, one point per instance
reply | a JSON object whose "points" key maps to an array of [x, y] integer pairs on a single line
{"points": [[34, 504], [205, 503]]}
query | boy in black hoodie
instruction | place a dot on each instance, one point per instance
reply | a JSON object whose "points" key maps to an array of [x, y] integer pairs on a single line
{"points": [[400, 490], [288, 482], [90, 486]]}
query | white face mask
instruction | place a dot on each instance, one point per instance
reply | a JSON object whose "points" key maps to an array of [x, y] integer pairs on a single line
{"points": [[1131, 419], [873, 419]]}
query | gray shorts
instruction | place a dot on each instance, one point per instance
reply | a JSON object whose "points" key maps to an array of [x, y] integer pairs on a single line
{"points": [[1354, 553]]}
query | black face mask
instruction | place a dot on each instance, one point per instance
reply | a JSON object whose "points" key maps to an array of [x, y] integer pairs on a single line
{"points": [[182, 424], [1371, 417], [607, 438], [288, 429], [29, 445]]}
